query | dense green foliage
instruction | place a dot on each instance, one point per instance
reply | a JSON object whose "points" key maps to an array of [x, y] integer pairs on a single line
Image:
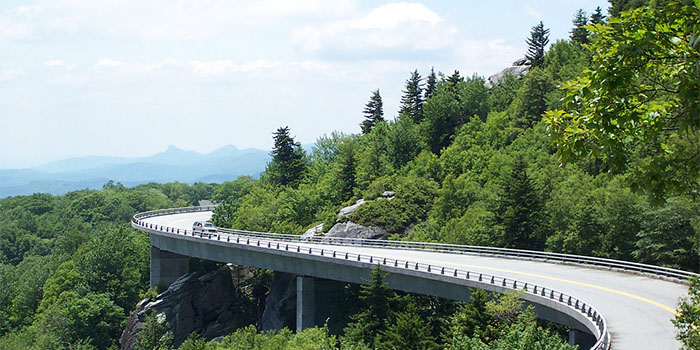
{"points": [[71, 267], [637, 107]]}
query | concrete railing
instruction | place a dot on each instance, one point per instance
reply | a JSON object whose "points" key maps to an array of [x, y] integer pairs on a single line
{"points": [[574, 305]]}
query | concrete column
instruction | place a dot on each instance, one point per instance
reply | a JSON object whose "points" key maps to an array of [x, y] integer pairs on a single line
{"points": [[305, 302], [584, 340], [166, 267], [572, 337]]}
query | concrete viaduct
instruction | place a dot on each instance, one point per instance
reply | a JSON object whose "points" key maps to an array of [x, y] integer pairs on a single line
{"points": [[609, 304]]}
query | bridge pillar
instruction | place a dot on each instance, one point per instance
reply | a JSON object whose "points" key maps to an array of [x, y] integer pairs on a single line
{"points": [[166, 267], [305, 302], [584, 340]]}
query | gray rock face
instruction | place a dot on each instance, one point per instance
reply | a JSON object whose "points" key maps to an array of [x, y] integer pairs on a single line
{"points": [[519, 68], [352, 230], [280, 304], [206, 305], [314, 231], [350, 209]]}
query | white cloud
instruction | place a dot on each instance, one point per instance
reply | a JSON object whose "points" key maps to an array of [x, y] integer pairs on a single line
{"points": [[28, 9], [395, 26], [533, 12], [59, 64], [108, 63], [163, 19]]}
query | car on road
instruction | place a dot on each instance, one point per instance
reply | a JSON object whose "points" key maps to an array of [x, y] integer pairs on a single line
{"points": [[205, 229]]}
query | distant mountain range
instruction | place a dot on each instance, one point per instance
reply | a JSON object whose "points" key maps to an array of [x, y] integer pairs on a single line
{"points": [[92, 172]]}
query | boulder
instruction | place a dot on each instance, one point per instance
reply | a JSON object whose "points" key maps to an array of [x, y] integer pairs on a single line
{"points": [[351, 209], [314, 231], [350, 229], [519, 68]]}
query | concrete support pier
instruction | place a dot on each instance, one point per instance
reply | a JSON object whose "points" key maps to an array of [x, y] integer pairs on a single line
{"points": [[584, 340], [166, 267], [305, 302]]}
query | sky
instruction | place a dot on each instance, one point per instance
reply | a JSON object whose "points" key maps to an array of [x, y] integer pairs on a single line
{"points": [[131, 77]]}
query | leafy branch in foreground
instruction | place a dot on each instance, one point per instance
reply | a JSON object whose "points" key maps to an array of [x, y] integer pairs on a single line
{"points": [[637, 106]]}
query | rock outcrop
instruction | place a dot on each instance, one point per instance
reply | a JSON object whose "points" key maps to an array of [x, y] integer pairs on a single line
{"points": [[351, 209], [204, 304], [280, 305], [314, 231], [350, 229], [519, 68]]}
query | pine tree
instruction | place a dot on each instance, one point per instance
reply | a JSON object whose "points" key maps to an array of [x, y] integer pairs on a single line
{"points": [[287, 166], [520, 209], [538, 40], [430, 84], [374, 112], [412, 99], [579, 34], [597, 17]]}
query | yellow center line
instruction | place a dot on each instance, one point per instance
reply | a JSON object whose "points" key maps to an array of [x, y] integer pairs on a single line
{"points": [[529, 274], [589, 285]]}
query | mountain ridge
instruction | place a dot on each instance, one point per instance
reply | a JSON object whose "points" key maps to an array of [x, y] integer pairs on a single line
{"points": [[173, 164]]}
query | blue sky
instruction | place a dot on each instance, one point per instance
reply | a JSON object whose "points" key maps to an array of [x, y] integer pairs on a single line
{"points": [[130, 77]]}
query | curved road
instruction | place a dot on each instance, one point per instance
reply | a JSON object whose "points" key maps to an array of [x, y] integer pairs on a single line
{"points": [[638, 309]]}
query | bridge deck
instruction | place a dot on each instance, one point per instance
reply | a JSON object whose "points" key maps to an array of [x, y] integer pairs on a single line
{"points": [[638, 309]]}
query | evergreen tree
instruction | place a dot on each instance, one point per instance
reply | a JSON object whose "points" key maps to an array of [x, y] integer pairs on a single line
{"points": [[453, 81], [409, 331], [579, 34], [538, 40], [597, 17], [377, 299], [471, 319], [374, 112], [520, 210], [287, 166], [430, 84], [155, 334], [412, 99], [532, 98], [346, 164]]}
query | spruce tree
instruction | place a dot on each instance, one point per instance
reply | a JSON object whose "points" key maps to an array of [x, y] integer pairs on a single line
{"points": [[377, 300], [287, 166], [412, 99], [430, 84], [579, 34], [374, 112], [597, 17], [520, 210], [538, 40], [453, 81]]}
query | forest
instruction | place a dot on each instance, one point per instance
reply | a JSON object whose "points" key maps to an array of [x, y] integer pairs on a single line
{"points": [[594, 151]]}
